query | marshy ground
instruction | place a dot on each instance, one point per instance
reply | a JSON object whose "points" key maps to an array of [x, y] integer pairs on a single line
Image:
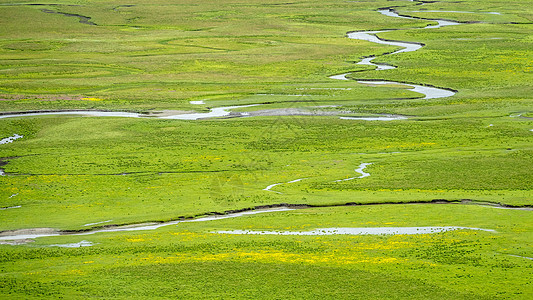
{"points": [[137, 138]]}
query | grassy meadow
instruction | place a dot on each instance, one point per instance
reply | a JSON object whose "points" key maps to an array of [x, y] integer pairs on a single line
{"points": [[191, 260], [70, 171]]}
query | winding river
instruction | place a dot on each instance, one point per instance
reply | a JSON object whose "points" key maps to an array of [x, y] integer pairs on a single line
{"points": [[10, 139], [371, 36], [17, 237], [358, 170], [429, 92], [269, 188], [25, 234], [214, 112]]}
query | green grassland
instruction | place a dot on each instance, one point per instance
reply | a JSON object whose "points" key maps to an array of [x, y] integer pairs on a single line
{"points": [[152, 56], [192, 260], [140, 170]]}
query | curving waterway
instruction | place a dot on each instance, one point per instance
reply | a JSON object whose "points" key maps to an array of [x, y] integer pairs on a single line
{"points": [[25, 234], [269, 188], [429, 92], [10, 139], [213, 113], [358, 170], [371, 36]]}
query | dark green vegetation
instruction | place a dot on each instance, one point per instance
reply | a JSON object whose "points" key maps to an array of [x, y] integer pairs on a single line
{"points": [[69, 171]]}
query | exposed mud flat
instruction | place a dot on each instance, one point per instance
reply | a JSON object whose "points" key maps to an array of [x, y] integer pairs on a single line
{"points": [[16, 242], [165, 113], [25, 234]]}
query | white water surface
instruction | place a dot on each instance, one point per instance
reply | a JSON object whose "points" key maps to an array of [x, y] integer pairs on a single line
{"points": [[268, 188], [74, 245], [530, 258], [26, 236], [203, 219], [379, 67], [357, 231], [358, 170], [10, 207], [371, 36], [10, 139], [427, 91], [215, 112], [391, 13], [340, 76]]}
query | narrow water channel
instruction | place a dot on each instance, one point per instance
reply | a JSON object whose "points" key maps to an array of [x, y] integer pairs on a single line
{"points": [[371, 36]]}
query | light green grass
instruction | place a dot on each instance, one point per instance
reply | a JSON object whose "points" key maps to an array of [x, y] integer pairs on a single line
{"points": [[134, 170], [190, 260], [69, 171]]}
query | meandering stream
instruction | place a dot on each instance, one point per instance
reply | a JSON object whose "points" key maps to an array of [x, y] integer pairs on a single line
{"points": [[10, 139], [358, 170], [371, 36], [213, 113], [17, 237], [429, 92], [269, 188], [25, 234]]}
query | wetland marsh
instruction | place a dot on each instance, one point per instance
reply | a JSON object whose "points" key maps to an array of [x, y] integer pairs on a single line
{"points": [[251, 149]]}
